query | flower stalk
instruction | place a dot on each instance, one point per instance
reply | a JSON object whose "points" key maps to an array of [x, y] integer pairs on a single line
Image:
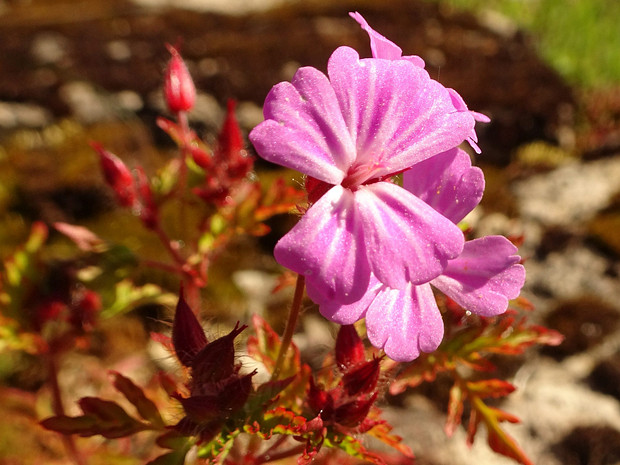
{"points": [[291, 324]]}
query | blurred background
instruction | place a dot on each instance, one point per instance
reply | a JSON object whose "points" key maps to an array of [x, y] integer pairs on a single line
{"points": [[547, 73]]}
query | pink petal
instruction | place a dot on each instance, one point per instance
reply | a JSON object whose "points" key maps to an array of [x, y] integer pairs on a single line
{"points": [[484, 277], [397, 115], [447, 182], [382, 47], [405, 322], [406, 240], [327, 247], [346, 314], [460, 105], [304, 128]]}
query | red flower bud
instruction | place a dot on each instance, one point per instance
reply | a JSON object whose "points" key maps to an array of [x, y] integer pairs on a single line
{"points": [[117, 175], [353, 413], [215, 362], [349, 347], [230, 150], [362, 379], [320, 401], [179, 90], [188, 337], [148, 211]]}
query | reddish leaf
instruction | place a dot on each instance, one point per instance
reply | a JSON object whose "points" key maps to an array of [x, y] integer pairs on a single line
{"points": [[82, 425], [112, 420], [134, 394], [101, 417], [84, 238], [188, 337], [382, 431], [499, 441], [455, 409], [493, 388]]}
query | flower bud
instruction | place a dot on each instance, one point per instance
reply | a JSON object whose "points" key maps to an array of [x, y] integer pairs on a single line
{"points": [[362, 379], [179, 90], [353, 413], [216, 361], [117, 175], [349, 347]]}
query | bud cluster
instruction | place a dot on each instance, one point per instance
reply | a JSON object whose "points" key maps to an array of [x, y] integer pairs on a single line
{"points": [[346, 406], [216, 390]]}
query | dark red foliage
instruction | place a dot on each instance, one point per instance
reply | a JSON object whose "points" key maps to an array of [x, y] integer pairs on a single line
{"points": [[188, 337], [217, 391], [346, 406]]}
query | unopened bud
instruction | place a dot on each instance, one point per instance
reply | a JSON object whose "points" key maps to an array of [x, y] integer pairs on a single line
{"points": [[179, 90], [117, 175], [188, 337], [363, 378], [349, 347]]}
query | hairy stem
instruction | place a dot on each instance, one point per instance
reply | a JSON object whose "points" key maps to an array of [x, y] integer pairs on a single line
{"points": [[291, 323]]}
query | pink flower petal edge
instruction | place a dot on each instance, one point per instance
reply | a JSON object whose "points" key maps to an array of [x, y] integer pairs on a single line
{"points": [[484, 277]]}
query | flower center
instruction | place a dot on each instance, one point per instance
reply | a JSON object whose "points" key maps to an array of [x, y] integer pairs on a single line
{"points": [[361, 174]]}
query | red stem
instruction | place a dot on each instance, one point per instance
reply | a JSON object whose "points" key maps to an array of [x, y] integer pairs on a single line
{"points": [[58, 407], [272, 457]]}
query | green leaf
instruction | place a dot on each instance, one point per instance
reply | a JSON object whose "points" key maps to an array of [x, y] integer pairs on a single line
{"points": [[134, 394], [128, 296], [21, 273], [264, 347]]}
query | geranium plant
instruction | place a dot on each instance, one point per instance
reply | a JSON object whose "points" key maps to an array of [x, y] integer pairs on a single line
{"points": [[377, 248]]}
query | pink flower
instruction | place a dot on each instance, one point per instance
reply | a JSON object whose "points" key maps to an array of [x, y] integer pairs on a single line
{"points": [[352, 130], [482, 279]]}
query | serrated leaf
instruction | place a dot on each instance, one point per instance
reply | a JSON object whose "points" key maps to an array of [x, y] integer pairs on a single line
{"points": [[265, 394], [353, 447], [383, 432], [264, 347], [219, 447], [135, 395], [499, 441], [277, 421]]}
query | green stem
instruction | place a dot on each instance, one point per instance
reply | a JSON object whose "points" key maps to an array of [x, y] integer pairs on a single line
{"points": [[287, 337]]}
